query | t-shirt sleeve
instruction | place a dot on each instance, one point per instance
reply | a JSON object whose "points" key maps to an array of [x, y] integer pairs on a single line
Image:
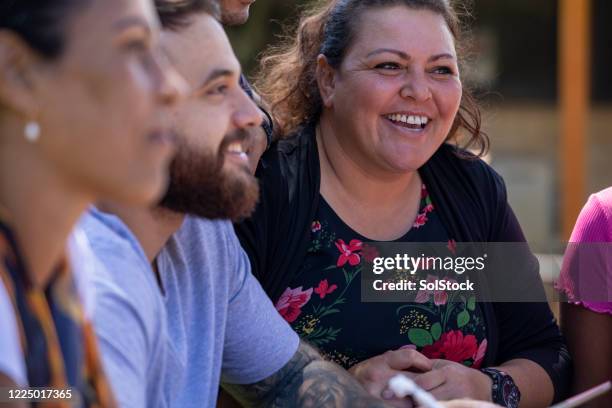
{"points": [[258, 341], [586, 276], [11, 356]]}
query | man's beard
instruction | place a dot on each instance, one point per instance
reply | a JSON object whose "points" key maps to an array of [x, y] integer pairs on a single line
{"points": [[200, 186]]}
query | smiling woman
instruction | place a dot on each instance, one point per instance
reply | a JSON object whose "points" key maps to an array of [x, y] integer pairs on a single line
{"points": [[370, 98], [80, 85]]}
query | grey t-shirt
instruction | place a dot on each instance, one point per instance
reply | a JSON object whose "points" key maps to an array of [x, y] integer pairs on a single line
{"points": [[212, 321]]}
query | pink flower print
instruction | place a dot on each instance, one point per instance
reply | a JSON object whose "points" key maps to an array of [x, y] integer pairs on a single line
{"points": [[324, 288], [348, 253], [452, 246], [290, 304], [424, 192], [440, 297], [453, 346], [421, 219], [369, 252], [428, 208], [479, 355], [316, 226]]}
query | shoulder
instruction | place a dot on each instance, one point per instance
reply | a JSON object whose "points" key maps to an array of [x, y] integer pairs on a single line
{"points": [[289, 172], [212, 240], [455, 158], [594, 223], [602, 202], [287, 155], [117, 252], [110, 237], [212, 245], [122, 279], [464, 172]]}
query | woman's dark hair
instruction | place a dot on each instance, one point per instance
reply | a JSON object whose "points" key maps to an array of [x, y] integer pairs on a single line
{"points": [[287, 78], [41, 23], [175, 14]]}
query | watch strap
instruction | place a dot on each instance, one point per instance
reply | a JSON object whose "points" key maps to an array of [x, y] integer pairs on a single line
{"points": [[503, 390]]}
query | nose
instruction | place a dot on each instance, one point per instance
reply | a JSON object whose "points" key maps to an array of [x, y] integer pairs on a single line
{"points": [[247, 114], [416, 87], [170, 85]]}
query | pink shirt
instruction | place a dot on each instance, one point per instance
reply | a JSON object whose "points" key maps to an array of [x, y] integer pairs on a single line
{"points": [[594, 270]]}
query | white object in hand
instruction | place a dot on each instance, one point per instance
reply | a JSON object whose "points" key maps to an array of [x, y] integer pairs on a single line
{"points": [[403, 386]]}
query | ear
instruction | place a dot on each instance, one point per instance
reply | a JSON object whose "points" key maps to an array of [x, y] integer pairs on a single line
{"points": [[18, 73], [326, 79]]}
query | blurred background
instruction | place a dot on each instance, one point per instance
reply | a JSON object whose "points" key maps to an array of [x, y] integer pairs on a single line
{"points": [[543, 72]]}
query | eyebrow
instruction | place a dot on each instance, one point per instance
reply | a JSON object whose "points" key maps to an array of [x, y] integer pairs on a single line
{"points": [[405, 56], [217, 73], [401, 54]]}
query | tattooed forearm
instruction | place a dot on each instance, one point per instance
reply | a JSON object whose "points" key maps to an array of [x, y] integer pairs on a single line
{"points": [[305, 381]]}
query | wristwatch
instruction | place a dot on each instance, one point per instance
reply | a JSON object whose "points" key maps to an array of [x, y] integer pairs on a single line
{"points": [[504, 391]]}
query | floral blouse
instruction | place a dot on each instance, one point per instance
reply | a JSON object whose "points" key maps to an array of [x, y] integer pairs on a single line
{"points": [[323, 302]]}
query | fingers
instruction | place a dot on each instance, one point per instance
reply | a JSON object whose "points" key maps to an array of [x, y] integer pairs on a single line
{"points": [[431, 379], [408, 359], [447, 392], [439, 363], [453, 380], [373, 374]]}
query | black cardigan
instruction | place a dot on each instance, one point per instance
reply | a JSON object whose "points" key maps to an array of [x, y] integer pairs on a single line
{"points": [[471, 200]]}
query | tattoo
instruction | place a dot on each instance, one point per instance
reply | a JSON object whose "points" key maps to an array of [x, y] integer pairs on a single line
{"points": [[305, 381]]}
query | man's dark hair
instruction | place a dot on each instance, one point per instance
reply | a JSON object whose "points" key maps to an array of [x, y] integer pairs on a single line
{"points": [[175, 14]]}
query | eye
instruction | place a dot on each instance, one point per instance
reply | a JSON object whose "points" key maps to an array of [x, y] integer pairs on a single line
{"points": [[218, 89], [443, 71], [136, 46], [388, 66]]}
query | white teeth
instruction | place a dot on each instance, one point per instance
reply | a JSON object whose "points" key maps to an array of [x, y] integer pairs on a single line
{"points": [[235, 148], [409, 119]]}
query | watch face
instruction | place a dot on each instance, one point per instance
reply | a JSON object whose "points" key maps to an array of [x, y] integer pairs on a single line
{"points": [[504, 391], [510, 392]]}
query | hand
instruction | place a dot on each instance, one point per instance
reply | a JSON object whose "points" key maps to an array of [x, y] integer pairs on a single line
{"points": [[449, 380], [374, 373]]}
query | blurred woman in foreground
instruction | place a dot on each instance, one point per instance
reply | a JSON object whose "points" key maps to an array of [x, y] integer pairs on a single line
{"points": [[80, 85]]}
